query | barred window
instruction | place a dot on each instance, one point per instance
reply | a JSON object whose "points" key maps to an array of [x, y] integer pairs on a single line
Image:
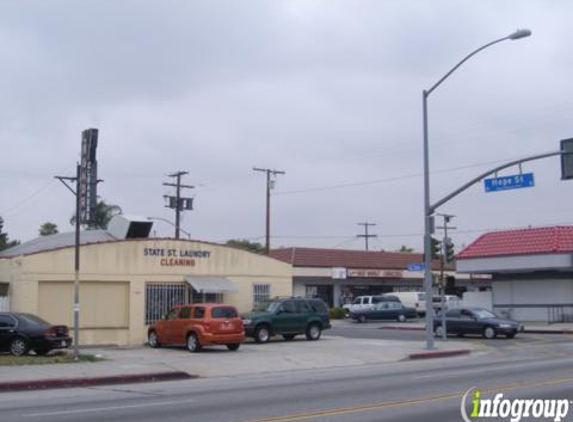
{"points": [[261, 293], [161, 297]]}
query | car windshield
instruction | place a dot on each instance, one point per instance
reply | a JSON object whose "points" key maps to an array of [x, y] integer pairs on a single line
{"points": [[483, 313], [273, 307]]}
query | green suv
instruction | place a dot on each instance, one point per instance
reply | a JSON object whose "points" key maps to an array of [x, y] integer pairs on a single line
{"points": [[288, 317]]}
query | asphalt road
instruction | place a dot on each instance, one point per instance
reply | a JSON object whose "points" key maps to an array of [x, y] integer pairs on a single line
{"points": [[406, 391], [375, 330]]}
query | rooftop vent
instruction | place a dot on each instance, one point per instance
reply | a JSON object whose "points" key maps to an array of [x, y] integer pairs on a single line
{"points": [[129, 227]]}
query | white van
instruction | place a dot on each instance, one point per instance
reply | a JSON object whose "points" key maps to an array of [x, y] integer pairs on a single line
{"points": [[361, 302], [416, 300]]}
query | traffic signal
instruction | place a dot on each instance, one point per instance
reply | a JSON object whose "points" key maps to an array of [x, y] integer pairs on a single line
{"points": [[449, 252], [436, 247], [567, 159]]}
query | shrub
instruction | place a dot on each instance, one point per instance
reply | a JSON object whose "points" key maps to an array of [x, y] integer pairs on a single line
{"points": [[336, 313]]}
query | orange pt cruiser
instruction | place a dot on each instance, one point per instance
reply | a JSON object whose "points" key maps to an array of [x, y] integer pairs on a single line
{"points": [[198, 325]]}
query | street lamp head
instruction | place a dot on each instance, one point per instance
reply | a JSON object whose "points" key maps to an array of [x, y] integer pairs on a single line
{"points": [[520, 33]]}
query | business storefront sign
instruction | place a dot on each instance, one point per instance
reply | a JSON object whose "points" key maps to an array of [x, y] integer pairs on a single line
{"points": [[375, 273], [339, 273], [176, 257]]}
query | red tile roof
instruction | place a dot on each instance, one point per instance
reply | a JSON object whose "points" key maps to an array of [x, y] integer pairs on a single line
{"points": [[544, 240], [328, 258]]}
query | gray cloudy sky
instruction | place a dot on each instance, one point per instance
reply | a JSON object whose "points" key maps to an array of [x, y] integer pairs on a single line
{"points": [[329, 91]]}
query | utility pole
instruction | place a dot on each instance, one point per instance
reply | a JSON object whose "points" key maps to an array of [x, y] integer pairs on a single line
{"points": [[270, 185], [177, 202], [446, 241], [86, 197], [366, 236]]}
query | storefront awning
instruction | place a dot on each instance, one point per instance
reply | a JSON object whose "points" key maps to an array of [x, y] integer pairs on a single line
{"points": [[211, 284]]}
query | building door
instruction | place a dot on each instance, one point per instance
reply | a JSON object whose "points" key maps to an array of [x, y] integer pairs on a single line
{"points": [[322, 292]]}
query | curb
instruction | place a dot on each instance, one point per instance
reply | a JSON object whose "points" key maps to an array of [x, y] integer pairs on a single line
{"points": [[542, 331], [403, 328], [439, 354], [93, 381]]}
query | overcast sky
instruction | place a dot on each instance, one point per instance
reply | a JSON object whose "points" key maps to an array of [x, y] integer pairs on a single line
{"points": [[328, 91]]}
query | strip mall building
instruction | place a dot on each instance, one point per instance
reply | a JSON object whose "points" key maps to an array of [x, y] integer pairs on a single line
{"points": [[337, 276], [127, 284]]}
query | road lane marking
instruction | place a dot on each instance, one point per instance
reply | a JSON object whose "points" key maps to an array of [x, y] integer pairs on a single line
{"points": [[106, 409], [384, 405]]}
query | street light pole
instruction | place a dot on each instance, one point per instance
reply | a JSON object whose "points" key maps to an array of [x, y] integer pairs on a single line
{"points": [[428, 211]]}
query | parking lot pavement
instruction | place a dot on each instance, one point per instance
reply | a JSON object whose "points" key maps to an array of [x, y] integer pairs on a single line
{"points": [[251, 358]]}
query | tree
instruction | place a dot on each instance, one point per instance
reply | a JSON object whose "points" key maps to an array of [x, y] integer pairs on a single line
{"points": [[102, 216], [406, 249], [48, 228], [247, 245], [4, 242]]}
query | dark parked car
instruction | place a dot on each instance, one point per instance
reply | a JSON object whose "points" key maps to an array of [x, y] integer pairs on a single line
{"points": [[478, 321], [385, 310], [288, 317], [20, 333]]}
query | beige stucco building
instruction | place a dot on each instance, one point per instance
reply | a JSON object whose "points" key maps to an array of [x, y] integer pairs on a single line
{"points": [[127, 284]]}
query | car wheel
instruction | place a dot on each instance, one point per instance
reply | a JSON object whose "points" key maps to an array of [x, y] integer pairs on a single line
{"points": [[152, 339], [262, 334], [42, 352], [233, 347], [439, 331], [193, 344], [18, 346], [289, 337], [313, 332], [489, 333], [401, 318], [362, 318]]}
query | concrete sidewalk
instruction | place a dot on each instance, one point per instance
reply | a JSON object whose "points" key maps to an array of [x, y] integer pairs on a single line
{"points": [[125, 365]]}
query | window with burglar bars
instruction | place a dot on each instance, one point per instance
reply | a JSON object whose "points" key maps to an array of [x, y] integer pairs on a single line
{"points": [[261, 293], [161, 297]]}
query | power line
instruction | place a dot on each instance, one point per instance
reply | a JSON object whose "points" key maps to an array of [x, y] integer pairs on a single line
{"points": [[389, 179]]}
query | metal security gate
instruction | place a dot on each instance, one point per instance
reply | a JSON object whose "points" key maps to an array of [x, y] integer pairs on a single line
{"points": [[161, 297]]}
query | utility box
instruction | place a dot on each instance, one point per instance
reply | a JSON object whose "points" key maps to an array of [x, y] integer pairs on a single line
{"points": [[567, 159], [129, 227]]}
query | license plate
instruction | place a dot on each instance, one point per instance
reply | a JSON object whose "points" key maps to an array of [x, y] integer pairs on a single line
{"points": [[227, 326], [63, 344]]}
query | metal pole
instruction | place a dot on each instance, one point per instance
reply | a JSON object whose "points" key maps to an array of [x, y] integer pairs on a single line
{"points": [[427, 239], [428, 209], [177, 205], [268, 219], [77, 270], [443, 298]]}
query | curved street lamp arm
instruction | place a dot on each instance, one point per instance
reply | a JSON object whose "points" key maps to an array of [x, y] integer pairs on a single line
{"points": [[465, 59], [493, 171], [169, 222]]}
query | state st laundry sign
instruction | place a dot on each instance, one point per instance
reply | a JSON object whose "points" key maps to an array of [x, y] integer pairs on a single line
{"points": [[176, 257]]}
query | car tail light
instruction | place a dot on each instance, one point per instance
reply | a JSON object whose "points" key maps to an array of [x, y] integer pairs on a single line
{"points": [[50, 333]]}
